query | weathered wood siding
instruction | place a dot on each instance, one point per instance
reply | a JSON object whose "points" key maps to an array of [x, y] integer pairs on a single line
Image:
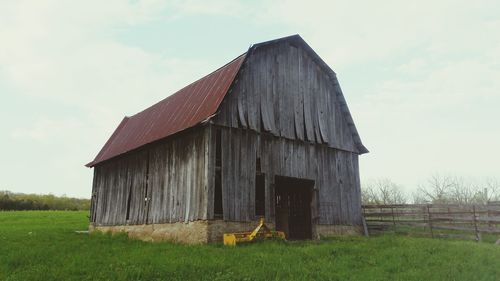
{"points": [[290, 112], [284, 109], [337, 198], [283, 90], [165, 182]]}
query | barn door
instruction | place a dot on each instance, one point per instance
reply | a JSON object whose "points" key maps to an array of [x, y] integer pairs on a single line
{"points": [[293, 207]]}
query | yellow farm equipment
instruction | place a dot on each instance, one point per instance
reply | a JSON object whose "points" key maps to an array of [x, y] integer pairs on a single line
{"points": [[261, 232]]}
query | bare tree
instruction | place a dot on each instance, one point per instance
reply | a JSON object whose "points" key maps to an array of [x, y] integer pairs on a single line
{"points": [[419, 198], [463, 191], [444, 189], [491, 189], [368, 195], [382, 191], [437, 189]]}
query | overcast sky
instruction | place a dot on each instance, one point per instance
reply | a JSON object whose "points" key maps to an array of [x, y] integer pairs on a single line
{"points": [[421, 78]]}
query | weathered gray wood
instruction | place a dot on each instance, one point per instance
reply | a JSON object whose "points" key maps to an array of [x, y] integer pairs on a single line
{"points": [[210, 139], [285, 109], [284, 86], [322, 109], [308, 121], [283, 157], [235, 188], [164, 183], [93, 198], [298, 99], [227, 178], [434, 216]]}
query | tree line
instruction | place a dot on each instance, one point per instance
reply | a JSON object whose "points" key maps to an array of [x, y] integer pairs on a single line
{"points": [[20, 201], [436, 189]]}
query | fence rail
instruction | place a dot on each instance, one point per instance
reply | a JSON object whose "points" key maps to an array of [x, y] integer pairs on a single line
{"points": [[434, 219]]}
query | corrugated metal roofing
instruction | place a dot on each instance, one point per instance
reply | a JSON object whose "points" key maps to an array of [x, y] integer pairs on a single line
{"points": [[184, 109]]}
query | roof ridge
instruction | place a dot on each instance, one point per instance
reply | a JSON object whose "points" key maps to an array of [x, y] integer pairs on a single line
{"points": [[194, 82]]}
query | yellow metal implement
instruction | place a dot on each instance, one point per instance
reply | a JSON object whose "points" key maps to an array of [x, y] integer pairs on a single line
{"points": [[261, 232]]}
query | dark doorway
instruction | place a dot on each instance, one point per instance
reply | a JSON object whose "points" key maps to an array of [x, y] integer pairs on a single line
{"points": [[260, 195], [293, 207]]}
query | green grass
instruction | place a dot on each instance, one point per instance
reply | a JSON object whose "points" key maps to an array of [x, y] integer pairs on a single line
{"points": [[43, 246], [442, 233]]}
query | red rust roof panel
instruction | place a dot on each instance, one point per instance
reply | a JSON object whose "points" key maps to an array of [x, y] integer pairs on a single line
{"points": [[184, 109]]}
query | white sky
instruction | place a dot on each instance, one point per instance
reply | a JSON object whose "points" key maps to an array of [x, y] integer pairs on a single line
{"points": [[421, 78]]}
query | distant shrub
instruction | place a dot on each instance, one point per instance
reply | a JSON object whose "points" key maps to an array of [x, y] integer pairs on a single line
{"points": [[20, 201]]}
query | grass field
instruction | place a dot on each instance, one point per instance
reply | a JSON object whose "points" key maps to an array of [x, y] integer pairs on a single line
{"points": [[43, 246]]}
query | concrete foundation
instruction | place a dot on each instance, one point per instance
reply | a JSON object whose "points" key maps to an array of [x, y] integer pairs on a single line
{"points": [[197, 232], [188, 233]]}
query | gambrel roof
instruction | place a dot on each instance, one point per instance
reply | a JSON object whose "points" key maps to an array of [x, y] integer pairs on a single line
{"points": [[192, 105]]}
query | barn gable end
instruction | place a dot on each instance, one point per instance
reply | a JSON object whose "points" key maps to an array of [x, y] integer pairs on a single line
{"points": [[285, 89], [286, 111]]}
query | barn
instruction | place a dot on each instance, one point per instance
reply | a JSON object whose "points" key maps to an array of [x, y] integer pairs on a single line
{"points": [[269, 134]]}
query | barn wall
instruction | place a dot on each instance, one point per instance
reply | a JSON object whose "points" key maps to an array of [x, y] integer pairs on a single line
{"points": [[283, 90], [337, 197], [288, 110], [172, 175]]}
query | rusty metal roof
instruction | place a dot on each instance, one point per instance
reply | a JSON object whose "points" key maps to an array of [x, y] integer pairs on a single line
{"points": [[186, 108], [192, 105]]}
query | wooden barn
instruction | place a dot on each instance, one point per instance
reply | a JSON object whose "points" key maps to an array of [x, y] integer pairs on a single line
{"points": [[267, 135]]}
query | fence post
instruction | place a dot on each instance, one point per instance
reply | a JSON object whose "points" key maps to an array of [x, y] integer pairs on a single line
{"points": [[423, 217], [393, 220], [478, 237], [380, 213], [490, 225], [429, 220], [365, 226]]}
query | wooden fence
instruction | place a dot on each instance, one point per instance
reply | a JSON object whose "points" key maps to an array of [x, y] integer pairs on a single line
{"points": [[436, 220]]}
